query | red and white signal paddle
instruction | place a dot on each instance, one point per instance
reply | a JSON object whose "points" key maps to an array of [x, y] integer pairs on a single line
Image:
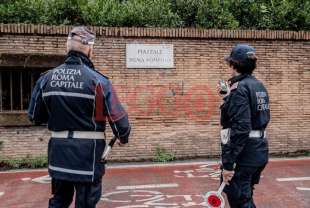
{"points": [[214, 199]]}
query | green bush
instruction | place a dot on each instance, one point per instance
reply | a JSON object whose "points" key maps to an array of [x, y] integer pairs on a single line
{"points": [[25, 11], [187, 10], [103, 13], [215, 14], [272, 14], [67, 12], [256, 14], [291, 15], [139, 13], [162, 155], [147, 13]]}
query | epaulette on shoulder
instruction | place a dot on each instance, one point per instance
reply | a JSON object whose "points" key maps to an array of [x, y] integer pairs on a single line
{"points": [[101, 74], [234, 86], [105, 76], [43, 73]]}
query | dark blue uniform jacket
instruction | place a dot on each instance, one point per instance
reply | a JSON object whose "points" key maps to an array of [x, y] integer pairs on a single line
{"points": [[75, 97], [245, 109]]}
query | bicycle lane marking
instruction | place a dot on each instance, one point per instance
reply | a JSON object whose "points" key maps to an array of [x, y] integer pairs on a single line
{"points": [[296, 179], [203, 171], [141, 196], [148, 186], [293, 179], [147, 198]]}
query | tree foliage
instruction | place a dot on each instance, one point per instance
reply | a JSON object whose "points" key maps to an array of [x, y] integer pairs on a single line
{"points": [[222, 14]]}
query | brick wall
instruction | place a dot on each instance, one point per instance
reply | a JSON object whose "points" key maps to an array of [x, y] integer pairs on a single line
{"points": [[177, 109]]}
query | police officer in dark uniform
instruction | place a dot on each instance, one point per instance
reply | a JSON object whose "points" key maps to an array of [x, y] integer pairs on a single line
{"points": [[75, 101], [244, 117]]}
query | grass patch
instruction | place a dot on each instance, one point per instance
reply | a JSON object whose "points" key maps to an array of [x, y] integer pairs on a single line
{"points": [[162, 155], [27, 162]]}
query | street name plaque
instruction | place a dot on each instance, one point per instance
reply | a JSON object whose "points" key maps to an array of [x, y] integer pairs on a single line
{"points": [[149, 56]]}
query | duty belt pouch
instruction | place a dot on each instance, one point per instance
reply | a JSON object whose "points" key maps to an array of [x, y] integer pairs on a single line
{"points": [[225, 136]]}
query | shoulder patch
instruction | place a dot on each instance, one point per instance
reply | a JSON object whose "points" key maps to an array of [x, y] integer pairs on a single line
{"points": [[234, 86]]}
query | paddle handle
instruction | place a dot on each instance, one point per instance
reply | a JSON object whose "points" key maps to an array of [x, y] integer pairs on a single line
{"points": [[221, 188], [109, 148]]}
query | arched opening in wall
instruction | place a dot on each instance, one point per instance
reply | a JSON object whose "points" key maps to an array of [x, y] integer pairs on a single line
{"points": [[18, 74]]}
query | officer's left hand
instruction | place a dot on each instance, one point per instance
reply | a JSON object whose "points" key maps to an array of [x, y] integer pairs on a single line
{"points": [[227, 176]]}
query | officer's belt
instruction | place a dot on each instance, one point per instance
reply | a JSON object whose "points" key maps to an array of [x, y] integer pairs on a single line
{"points": [[257, 134], [79, 134]]}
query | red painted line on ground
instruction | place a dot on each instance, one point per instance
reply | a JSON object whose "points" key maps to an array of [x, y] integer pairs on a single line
{"points": [[193, 181]]}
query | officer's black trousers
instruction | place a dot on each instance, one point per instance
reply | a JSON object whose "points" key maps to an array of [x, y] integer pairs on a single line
{"points": [[240, 189], [87, 194]]}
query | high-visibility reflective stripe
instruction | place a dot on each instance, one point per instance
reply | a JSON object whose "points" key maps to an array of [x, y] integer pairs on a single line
{"points": [[69, 94], [65, 170]]}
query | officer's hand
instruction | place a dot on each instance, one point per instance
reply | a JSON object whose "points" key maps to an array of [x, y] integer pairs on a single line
{"points": [[120, 143], [219, 90], [227, 176]]}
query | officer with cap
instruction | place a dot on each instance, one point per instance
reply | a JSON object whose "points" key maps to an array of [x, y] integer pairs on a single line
{"points": [[244, 117], [75, 101]]}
